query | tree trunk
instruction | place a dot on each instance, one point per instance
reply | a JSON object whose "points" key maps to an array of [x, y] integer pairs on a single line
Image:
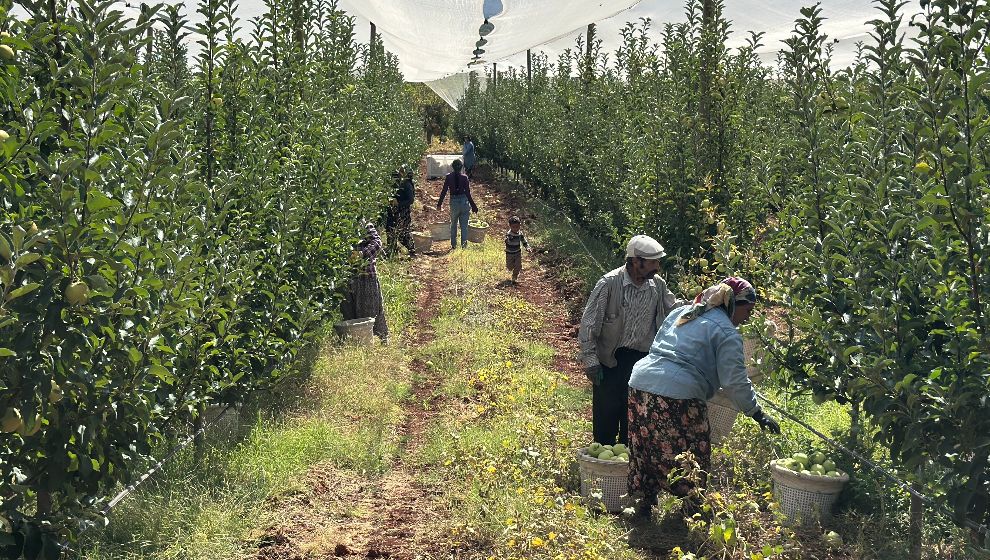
{"points": [[44, 503], [373, 41]]}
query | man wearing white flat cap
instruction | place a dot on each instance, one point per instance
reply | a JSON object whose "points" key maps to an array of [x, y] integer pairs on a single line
{"points": [[620, 321]]}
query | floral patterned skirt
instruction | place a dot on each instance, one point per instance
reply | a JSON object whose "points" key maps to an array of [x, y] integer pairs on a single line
{"points": [[661, 429]]}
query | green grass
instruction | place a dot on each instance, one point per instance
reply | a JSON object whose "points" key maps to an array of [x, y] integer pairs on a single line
{"points": [[344, 413]]}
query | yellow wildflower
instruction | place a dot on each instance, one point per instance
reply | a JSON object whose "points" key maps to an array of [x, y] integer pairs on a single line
{"points": [[537, 542]]}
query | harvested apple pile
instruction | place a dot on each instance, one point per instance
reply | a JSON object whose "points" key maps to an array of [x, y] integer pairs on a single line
{"points": [[617, 452], [815, 463]]}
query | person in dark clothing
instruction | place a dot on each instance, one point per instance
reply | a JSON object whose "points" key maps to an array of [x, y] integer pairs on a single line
{"points": [[363, 296], [460, 202], [399, 224]]}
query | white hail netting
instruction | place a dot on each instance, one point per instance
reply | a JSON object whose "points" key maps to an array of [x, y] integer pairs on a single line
{"points": [[436, 39]]}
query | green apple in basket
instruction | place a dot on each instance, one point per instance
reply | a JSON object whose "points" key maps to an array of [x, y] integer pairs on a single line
{"points": [[833, 474], [817, 458], [606, 455], [802, 458], [619, 449], [818, 469], [788, 463], [594, 449], [829, 465]]}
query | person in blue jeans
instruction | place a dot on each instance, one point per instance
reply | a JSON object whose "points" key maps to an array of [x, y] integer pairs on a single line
{"points": [[461, 203]]}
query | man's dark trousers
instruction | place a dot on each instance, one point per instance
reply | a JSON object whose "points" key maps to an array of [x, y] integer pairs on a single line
{"points": [[610, 398]]}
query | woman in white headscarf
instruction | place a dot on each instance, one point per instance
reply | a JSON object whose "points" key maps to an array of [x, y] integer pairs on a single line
{"points": [[697, 351]]}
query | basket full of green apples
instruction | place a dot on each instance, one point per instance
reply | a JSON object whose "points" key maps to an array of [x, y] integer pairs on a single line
{"points": [[807, 485], [604, 472]]}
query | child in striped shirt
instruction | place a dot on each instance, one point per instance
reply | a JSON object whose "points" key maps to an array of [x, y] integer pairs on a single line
{"points": [[514, 242]]}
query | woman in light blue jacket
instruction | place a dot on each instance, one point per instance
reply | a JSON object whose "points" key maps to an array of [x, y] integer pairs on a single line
{"points": [[697, 351]]}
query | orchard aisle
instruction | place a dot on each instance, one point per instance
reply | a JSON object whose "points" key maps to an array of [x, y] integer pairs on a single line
{"points": [[408, 511], [366, 515]]}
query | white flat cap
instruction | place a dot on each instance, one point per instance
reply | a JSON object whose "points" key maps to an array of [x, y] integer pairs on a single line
{"points": [[645, 247]]}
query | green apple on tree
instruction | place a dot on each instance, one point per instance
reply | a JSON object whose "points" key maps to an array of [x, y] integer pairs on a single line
{"points": [[77, 293], [55, 394], [12, 420]]}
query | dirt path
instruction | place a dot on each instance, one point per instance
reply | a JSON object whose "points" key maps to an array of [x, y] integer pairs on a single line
{"points": [[344, 515]]}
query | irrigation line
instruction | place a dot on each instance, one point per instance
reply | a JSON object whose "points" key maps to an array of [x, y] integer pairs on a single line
{"points": [[969, 524], [123, 494]]}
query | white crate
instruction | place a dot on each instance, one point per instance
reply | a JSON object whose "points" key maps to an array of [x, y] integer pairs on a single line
{"points": [[439, 165]]}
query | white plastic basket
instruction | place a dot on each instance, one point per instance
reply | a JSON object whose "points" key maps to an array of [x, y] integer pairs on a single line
{"points": [[422, 241], [805, 498], [477, 234], [721, 417], [609, 478], [440, 231], [359, 330]]}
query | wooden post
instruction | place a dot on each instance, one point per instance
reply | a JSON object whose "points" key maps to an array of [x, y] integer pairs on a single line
{"points": [[589, 60], [374, 38], [494, 74], [529, 67]]}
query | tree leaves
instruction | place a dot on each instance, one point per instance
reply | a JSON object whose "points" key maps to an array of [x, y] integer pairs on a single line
{"points": [[177, 212]]}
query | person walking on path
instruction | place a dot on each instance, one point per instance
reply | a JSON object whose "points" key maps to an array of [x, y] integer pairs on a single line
{"points": [[363, 297], [469, 157], [622, 316], [514, 243], [400, 214], [697, 351], [460, 203]]}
